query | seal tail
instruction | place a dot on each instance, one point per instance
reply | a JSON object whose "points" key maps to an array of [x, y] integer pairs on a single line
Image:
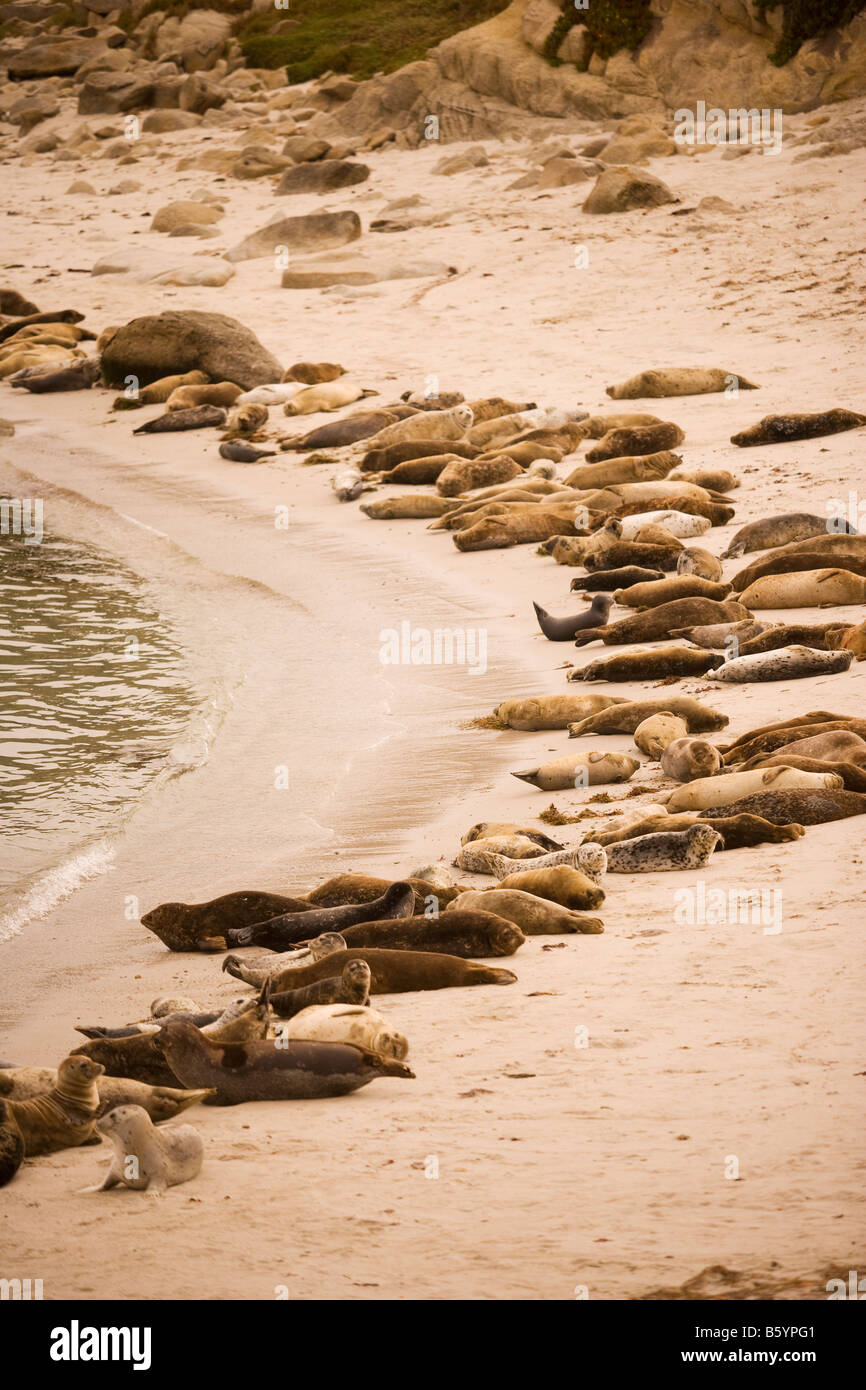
{"points": [[239, 936], [234, 967]]}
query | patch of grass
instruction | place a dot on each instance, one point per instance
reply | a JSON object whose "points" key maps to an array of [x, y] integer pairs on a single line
{"points": [[806, 19], [610, 25], [358, 40]]}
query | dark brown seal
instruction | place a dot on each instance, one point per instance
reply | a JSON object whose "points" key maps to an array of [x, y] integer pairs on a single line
{"points": [[803, 807], [383, 460], [565, 629], [655, 624], [274, 1069], [649, 665], [642, 553], [139, 1059], [313, 373], [237, 452], [363, 888], [787, 562], [196, 417], [782, 429], [57, 316], [350, 986], [338, 433], [289, 929], [737, 832], [395, 972], [458, 933], [203, 926], [11, 1145], [80, 376], [615, 578]]}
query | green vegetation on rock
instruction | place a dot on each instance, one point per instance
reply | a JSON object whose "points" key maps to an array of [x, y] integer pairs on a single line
{"points": [[610, 25], [806, 19], [357, 39]]}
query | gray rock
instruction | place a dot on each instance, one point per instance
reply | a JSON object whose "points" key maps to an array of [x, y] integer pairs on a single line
{"points": [[620, 188], [324, 177], [185, 340], [317, 231]]}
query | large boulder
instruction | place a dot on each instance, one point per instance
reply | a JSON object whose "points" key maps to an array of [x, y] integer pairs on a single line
{"points": [[56, 58], [538, 22], [324, 177], [317, 231], [184, 213], [185, 340], [109, 93], [619, 189]]}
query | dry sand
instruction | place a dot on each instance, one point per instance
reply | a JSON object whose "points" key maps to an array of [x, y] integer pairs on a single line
{"points": [[561, 1167]]}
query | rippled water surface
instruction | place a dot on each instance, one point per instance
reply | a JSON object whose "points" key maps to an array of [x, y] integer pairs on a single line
{"points": [[95, 701]]}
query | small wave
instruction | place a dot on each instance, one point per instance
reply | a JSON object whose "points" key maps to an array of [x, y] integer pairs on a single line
{"points": [[55, 884]]}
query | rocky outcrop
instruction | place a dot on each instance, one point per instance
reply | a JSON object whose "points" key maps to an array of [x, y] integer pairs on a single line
{"points": [[491, 81], [186, 340]]}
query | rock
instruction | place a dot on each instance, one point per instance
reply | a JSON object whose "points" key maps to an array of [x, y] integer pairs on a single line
{"points": [[56, 58], [109, 60], [317, 231], [639, 147], [113, 92], [559, 173], [338, 89], [193, 229], [619, 189], [199, 38], [185, 340], [303, 149], [574, 46], [164, 122], [30, 111], [474, 158], [184, 213], [318, 275], [538, 21], [257, 162], [41, 144], [7, 429], [125, 186], [211, 161], [214, 274], [199, 95], [324, 177]]}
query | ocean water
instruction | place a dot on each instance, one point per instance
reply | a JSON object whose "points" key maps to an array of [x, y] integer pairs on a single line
{"points": [[98, 708]]}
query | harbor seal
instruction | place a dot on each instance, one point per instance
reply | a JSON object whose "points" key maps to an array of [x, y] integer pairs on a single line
{"points": [[394, 972], [345, 889], [464, 475], [662, 523], [203, 926], [772, 531], [339, 434], [806, 589], [708, 792], [277, 933], [158, 392], [246, 418], [383, 460], [772, 740], [412, 506], [474, 857], [348, 1023], [160, 1102], [326, 396], [713, 479], [580, 770], [11, 1145], [653, 734], [351, 985], [665, 850], [313, 373], [551, 711], [533, 915], [788, 563], [805, 807], [700, 563], [565, 629], [854, 640], [259, 969], [78, 376], [624, 717], [222, 393], [608, 580], [488, 829], [737, 832], [637, 439], [589, 859], [417, 472], [678, 381], [687, 759], [714, 636], [66, 1116], [278, 1069], [236, 451], [660, 664], [786, 663], [837, 744], [619, 553], [198, 417], [469, 935], [427, 425], [564, 885], [139, 1058], [783, 429], [631, 468], [655, 624], [824, 637], [668, 590], [147, 1159], [853, 776]]}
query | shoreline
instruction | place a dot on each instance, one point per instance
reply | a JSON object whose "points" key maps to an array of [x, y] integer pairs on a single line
{"points": [[602, 1167]]}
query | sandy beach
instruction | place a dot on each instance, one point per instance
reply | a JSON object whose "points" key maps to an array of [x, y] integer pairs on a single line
{"points": [[583, 1120]]}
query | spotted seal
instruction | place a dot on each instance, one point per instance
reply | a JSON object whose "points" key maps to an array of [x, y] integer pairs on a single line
{"points": [[147, 1159], [672, 849]]}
